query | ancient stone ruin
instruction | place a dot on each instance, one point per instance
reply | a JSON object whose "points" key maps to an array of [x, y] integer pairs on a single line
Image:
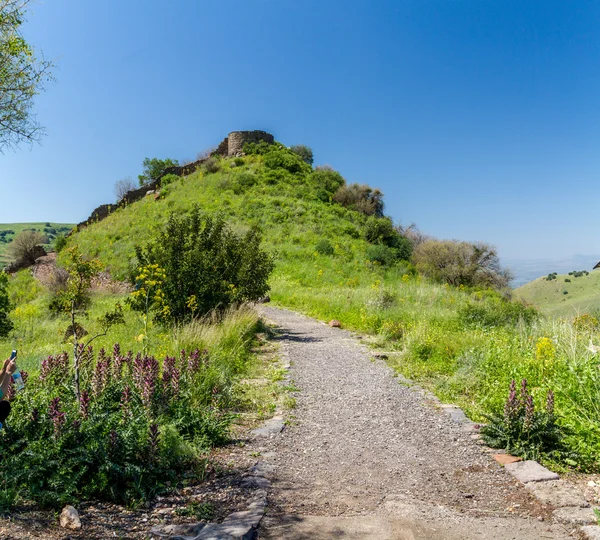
{"points": [[231, 145]]}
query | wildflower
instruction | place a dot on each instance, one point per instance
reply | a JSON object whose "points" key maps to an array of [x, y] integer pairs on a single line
{"points": [[550, 402], [126, 403], [100, 376], [524, 392], [511, 408], [529, 414], [84, 404], [56, 415]]}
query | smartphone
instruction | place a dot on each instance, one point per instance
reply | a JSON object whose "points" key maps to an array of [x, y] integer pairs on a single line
{"points": [[13, 355]]}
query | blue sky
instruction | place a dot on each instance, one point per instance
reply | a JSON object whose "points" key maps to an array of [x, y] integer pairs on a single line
{"points": [[479, 119]]}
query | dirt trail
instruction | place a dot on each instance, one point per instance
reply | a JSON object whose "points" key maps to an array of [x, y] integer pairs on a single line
{"points": [[367, 457]]}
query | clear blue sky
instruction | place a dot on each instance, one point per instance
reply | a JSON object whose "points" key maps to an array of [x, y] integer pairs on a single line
{"points": [[479, 120]]}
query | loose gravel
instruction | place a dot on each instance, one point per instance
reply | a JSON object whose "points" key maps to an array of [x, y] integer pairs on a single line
{"points": [[361, 443]]}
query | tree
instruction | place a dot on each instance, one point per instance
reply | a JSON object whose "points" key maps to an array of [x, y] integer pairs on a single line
{"points": [[461, 263], [153, 168], [6, 324], [123, 186], [22, 77], [25, 247], [75, 299], [361, 198], [305, 152], [197, 264]]}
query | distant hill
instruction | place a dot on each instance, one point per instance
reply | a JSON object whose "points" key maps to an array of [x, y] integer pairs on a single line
{"points": [[526, 270], [9, 230], [560, 297]]}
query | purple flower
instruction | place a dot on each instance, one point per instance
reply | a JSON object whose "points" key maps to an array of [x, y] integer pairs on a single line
{"points": [[550, 402], [24, 376], [529, 413], [84, 404], [511, 407], [56, 415], [524, 392], [126, 403], [100, 377]]}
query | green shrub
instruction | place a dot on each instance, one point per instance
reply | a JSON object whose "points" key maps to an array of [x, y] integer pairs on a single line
{"points": [[168, 179], [206, 265], [241, 182], [60, 243], [305, 152], [327, 180], [324, 247], [381, 254], [211, 165], [259, 148], [239, 161], [285, 159], [361, 198], [495, 311], [461, 263], [6, 324]]}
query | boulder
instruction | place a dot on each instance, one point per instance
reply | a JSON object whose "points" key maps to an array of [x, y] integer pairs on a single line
{"points": [[69, 518]]}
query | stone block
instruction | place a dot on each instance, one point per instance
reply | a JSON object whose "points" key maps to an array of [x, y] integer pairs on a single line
{"points": [[530, 471], [591, 532], [557, 493], [576, 516], [455, 413]]}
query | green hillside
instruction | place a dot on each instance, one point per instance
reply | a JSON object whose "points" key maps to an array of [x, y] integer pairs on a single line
{"points": [[335, 261], [9, 230], [559, 297]]}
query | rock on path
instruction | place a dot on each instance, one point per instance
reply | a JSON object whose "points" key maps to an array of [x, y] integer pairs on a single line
{"points": [[367, 457]]}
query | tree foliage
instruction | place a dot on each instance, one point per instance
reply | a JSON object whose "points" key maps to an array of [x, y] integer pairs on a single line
{"points": [[153, 168], [206, 267], [6, 324], [361, 198], [461, 263], [22, 76], [24, 248], [305, 152]]}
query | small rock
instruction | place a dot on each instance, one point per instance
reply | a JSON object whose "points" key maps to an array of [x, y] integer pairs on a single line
{"points": [[591, 483], [69, 518], [334, 323]]}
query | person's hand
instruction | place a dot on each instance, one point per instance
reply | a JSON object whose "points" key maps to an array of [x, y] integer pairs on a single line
{"points": [[10, 365]]}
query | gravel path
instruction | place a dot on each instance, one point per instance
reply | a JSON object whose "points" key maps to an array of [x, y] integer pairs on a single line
{"points": [[364, 456]]}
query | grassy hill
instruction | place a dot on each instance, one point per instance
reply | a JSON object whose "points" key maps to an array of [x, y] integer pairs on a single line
{"points": [[559, 297], [335, 262], [9, 230]]}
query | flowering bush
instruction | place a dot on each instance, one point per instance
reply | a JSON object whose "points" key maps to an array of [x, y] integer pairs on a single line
{"points": [[137, 427], [523, 431]]}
